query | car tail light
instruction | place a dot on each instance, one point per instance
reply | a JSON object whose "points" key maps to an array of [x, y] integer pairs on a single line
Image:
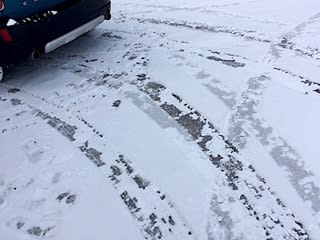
{"points": [[1, 5], [5, 36]]}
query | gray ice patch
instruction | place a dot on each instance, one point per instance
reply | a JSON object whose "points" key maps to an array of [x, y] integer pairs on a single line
{"points": [[222, 220], [155, 113], [16, 102], [228, 98], [228, 62], [202, 75], [65, 129]]}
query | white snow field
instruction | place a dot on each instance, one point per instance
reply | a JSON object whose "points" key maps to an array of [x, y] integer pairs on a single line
{"points": [[177, 119]]}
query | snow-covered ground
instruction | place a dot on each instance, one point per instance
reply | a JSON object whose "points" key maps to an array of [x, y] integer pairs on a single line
{"points": [[178, 119]]}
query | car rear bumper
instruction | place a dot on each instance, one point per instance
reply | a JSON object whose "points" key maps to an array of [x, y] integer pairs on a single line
{"points": [[53, 31]]}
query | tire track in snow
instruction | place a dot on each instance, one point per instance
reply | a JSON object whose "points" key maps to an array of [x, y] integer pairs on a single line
{"points": [[155, 215], [282, 153], [315, 85], [286, 40], [283, 43], [230, 168], [217, 209], [271, 220], [247, 34], [247, 124], [244, 122], [231, 60], [237, 61], [246, 186], [239, 175], [308, 51]]}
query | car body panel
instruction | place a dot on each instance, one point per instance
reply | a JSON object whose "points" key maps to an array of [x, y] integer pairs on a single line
{"points": [[35, 35]]}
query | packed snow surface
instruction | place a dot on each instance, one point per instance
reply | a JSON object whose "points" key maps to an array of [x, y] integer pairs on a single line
{"points": [[177, 119]]}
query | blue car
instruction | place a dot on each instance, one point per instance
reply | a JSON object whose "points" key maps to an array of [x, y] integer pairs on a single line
{"points": [[29, 28]]}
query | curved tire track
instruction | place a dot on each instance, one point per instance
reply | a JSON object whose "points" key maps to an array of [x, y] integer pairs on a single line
{"points": [[155, 215]]}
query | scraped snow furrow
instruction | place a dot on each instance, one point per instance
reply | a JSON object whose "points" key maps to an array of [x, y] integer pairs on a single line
{"points": [[154, 213], [245, 185]]}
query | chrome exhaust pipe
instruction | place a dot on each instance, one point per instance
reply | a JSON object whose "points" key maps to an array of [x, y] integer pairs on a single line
{"points": [[35, 55]]}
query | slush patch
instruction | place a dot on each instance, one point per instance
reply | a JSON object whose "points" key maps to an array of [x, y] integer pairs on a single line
{"points": [[172, 110], [71, 199], [142, 183], [35, 231], [116, 103], [62, 196], [231, 63], [65, 129], [38, 231], [13, 90], [93, 154], [16, 102], [68, 197]]}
